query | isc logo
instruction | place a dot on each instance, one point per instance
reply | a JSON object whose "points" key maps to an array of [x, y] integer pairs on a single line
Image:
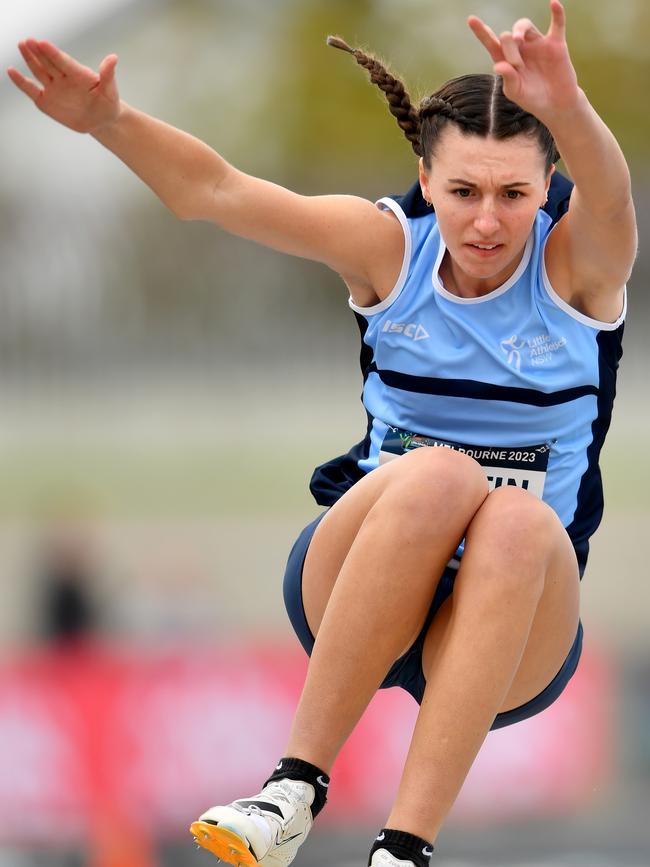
{"points": [[409, 329]]}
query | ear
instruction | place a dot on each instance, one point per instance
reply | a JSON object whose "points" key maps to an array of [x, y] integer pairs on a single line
{"points": [[548, 181], [424, 180]]}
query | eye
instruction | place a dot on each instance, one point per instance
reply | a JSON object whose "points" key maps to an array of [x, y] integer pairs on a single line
{"points": [[462, 193], [514, 194]]}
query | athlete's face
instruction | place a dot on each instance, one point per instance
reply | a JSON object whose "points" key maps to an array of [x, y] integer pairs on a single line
{"points": [[486, 194]]}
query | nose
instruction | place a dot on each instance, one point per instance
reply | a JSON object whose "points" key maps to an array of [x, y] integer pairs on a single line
{"points": [[486, 221]]}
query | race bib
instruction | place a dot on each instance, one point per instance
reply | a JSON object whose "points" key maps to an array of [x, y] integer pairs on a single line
{"points": [[521, 466]]}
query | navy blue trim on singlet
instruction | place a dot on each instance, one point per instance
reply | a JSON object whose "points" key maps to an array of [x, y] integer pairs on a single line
{"points": [[481, 390], [333, 478], [590, 503]]}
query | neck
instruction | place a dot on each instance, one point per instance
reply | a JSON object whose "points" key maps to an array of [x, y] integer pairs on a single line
{"points": [[465, 285]]}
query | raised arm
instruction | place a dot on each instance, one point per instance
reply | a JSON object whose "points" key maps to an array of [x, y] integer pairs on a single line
{"points": [[347, 233], [590, 253]]}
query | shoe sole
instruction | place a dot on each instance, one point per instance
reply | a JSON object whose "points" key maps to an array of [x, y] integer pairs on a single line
{"points": [[224, 843]]}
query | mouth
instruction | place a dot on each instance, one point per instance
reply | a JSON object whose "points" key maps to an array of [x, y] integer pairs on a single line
{"points": [[484, 250]]}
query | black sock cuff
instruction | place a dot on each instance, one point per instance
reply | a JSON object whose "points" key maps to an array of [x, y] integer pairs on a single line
{"points": [[297, 769], [403, 845]]}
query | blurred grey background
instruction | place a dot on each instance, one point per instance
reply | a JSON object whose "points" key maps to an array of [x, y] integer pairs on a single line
{"points": [[166, 389]]}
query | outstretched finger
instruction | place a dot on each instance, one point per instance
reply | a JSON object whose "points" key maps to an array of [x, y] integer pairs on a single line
{"points": [[558, 20], [35, 48], [487, 37], [28, 87], [107, 69], [62, 62], [33, 64]]}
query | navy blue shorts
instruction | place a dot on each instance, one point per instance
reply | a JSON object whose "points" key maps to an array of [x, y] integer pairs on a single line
{"points": [[407, 670]]}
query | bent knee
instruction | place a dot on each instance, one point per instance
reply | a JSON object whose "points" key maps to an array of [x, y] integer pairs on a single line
{"points": [[522, 525], [431, 477], [520, 511]]}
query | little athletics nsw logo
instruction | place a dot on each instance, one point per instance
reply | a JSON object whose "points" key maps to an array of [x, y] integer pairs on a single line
{"points": [[535, 351]]}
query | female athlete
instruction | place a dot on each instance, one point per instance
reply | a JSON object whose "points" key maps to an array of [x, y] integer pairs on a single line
{"points": [[449, 561]]}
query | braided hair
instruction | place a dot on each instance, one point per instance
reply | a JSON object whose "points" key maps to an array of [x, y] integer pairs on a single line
{"points": [[476, 103]]}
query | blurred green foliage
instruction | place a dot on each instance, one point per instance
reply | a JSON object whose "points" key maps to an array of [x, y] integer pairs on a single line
{"points": [[327, 114], [331, 126]]}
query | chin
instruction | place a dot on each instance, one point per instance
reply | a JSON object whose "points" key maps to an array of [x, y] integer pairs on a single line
{"points": [[485, 270]]}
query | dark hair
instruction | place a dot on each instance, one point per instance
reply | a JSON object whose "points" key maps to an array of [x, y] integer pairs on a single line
{"points": [[476, 103]]}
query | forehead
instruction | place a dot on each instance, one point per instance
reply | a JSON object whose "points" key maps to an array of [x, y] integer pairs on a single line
{"points": [[485, 159]]}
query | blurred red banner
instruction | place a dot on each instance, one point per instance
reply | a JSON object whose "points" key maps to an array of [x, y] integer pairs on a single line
{"points": [[94, 736]]}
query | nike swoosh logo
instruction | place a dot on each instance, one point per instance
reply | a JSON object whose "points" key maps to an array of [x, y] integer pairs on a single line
{"points": [[288, 840], [427, 852], [322, 782], [278, 767], [381, 837]]}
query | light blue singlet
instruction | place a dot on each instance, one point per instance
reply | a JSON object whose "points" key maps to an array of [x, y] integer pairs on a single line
{"points": [[517, 378]]}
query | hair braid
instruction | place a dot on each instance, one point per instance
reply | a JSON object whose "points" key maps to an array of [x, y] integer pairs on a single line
{"points": [[435, 105], [476, 103], [399, 102]]}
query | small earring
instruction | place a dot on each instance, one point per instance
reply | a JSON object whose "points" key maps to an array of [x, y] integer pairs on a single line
{"points": [[429, 203]]}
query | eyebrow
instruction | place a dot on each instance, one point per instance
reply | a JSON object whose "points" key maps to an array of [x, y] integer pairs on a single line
{"points": [[474, 186]]}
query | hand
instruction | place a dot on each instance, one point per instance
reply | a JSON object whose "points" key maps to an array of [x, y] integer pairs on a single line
{"points": [[537, 71], [72, 94]]}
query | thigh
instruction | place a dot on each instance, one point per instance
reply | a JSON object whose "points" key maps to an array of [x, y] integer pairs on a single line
{"points": [[514, 532], [330, 544], [417, 480]]}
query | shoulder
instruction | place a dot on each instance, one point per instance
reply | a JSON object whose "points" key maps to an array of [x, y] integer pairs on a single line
{"points": [[388, 248], [589, 254], [590, 294], [411, 224]]}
